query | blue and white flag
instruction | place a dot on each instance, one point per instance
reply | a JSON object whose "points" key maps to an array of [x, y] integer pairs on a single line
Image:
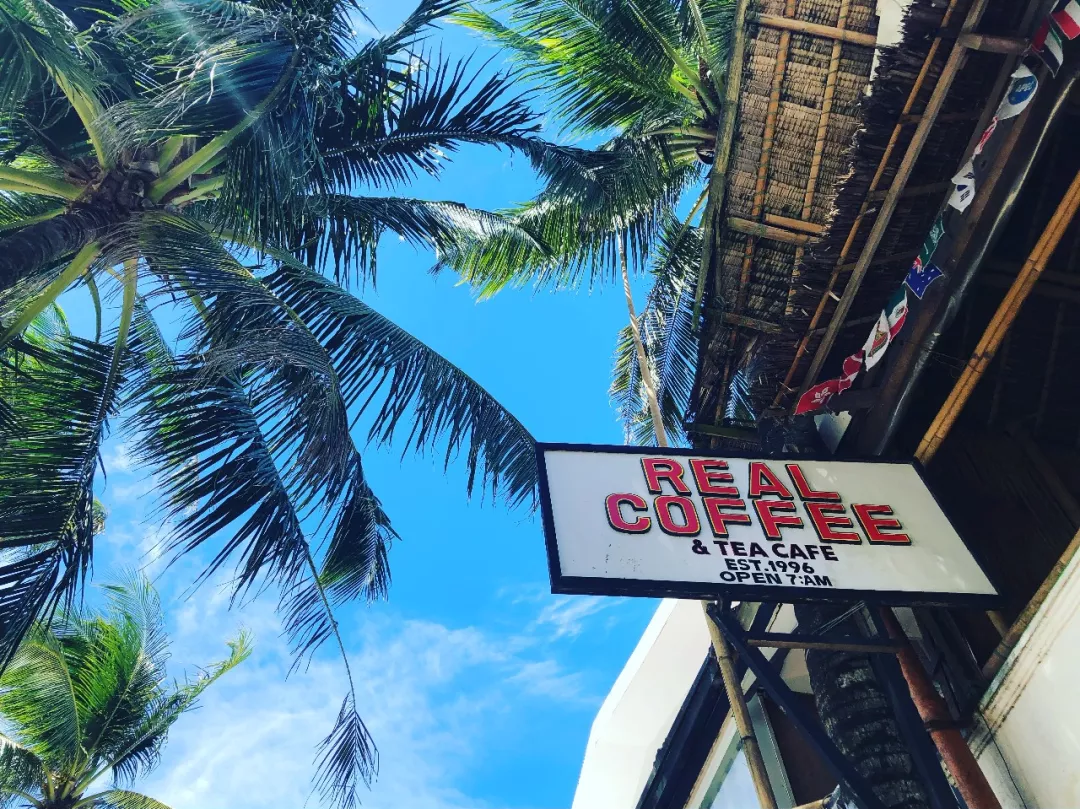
{"points": [[919, 277]]}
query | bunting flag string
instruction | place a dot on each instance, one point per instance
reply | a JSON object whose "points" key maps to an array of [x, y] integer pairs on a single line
{"points": [[1062, 23]]}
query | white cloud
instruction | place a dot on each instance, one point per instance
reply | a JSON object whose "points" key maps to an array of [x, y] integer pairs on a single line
{"points": [[565, 616], [127, 492], [434, 697], [547, 678], [118, 459]]}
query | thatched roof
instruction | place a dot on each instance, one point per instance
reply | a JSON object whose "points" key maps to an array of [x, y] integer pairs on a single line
{"points": [[792, 288]]}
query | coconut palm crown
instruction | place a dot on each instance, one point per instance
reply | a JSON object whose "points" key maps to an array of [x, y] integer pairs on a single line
{"points": [[206, 173], [87, 697], [647, 79]]}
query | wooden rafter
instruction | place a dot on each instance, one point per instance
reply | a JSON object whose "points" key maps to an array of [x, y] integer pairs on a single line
{"points": [[888, 206], [800, 225], [786, 23], [883, 163], [760, 230], [819, 142], [758, 206], [710, 217], [999, 325]]}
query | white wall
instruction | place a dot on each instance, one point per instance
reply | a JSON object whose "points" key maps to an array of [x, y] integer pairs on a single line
{"points": [[638, 713], [1029, 730]]}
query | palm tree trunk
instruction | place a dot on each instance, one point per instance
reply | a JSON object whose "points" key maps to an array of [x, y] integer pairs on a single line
{"points": [[44, 243], [643, 360], [732, 686], [859, 719]]}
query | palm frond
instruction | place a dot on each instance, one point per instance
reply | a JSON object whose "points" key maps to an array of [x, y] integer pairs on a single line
{"points": [[345, 755], [125, 799], [441, 107], [17, 208], [40, 45], [61, 397], [666, 324], [39, 700], [378, 360], [345, 230], [218, 448], [596, 58], [206, 66], [577, 218], [20, 770], [144, 742], [117, 665], [374, 55]]}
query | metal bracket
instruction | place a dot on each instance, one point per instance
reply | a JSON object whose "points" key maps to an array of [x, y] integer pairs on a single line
{"points": [[835, 643], [886, 668], [772, 681]]}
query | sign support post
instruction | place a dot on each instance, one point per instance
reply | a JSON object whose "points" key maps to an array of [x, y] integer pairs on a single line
{"points": [[741, 714]]}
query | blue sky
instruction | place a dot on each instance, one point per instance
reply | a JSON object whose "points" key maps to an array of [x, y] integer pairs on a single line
{"points": [[478, 685]]}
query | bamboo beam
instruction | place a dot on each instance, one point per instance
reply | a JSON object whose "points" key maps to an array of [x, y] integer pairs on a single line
{"points": [[739, 711], [763, 231], [819, 143], [1012, 636], [1048, 371], [758, 205], [795, 224], [945, 117], [813, 29], [752, 323], [717, 182], [916, 88], [888, 206], [859, 321], [788, 642], [999, 325], [826, 112]]}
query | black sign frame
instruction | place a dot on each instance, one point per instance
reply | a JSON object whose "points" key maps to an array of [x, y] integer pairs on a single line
{"points": [[652, 588]]}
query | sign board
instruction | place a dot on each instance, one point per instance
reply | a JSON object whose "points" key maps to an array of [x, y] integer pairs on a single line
{"points": [[670, 522]]}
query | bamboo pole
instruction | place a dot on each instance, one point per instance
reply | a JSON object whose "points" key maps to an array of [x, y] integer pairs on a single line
{"points": [[888, 206], [739, 711], [999, 325], [786, 24], [819, 146], [1011, 637], [791, 223], [758, 205], [886, 156], [732, 685], [760, 230], [725, 135]]}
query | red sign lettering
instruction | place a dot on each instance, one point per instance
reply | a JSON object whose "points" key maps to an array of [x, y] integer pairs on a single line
{"points": [[614, 504]]}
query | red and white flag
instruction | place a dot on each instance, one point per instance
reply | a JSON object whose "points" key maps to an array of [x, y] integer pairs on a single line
{"points": [[1067, 16]]}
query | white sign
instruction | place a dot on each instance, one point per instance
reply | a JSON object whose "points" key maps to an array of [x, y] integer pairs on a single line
{"points": [[663, 522]]}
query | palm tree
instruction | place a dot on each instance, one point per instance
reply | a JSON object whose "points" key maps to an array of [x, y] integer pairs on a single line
{"points": [[201, 160], [647, 77], [87, 697]]}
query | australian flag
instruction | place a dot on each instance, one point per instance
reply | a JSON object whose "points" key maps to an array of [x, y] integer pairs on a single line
{"points": [[919, 277]]}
